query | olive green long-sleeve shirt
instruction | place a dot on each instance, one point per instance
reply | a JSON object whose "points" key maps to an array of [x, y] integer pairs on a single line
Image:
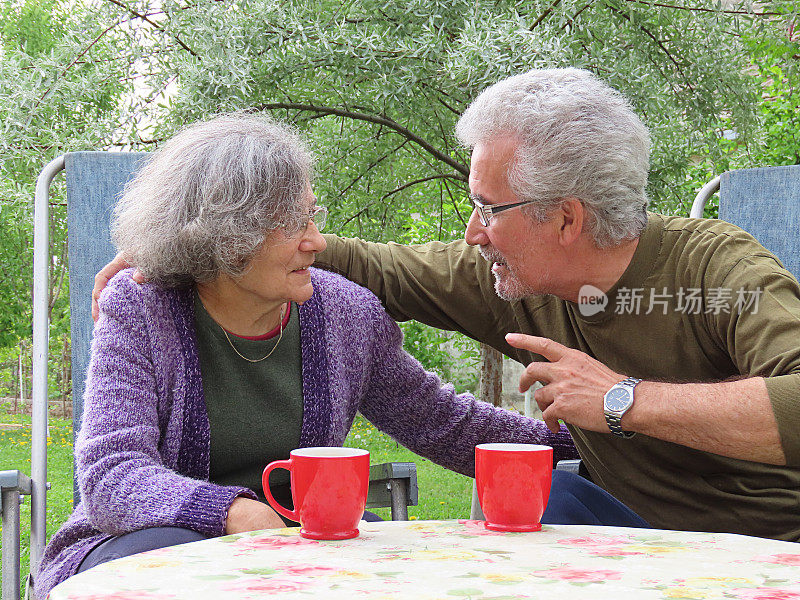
{"points": [[701, 301]]}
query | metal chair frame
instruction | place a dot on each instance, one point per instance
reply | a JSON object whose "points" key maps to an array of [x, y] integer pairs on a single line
{"points": [[702, 197]]}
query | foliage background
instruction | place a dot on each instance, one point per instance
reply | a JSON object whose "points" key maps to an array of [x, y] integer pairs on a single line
{"points": [[376, 86]]}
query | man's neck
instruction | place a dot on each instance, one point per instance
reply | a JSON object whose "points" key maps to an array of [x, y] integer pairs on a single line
{"points": [[600, 267]]}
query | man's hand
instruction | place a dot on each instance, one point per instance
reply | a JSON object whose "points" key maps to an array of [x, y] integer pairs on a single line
{"points": [[574, 386], [245, 514], [103, 277], [574, 383]]}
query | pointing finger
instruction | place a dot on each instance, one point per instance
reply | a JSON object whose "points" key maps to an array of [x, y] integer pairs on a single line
{"points": [[546, 347]]}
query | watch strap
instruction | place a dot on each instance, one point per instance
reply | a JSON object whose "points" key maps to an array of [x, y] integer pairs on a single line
{"points": [[614, 422], [614, 419]]}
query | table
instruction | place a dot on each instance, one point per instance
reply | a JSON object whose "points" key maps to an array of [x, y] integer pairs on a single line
{"points": [[452, 560]]}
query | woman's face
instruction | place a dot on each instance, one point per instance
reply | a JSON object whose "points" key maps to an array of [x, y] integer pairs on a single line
{"points": [[279, 271]]}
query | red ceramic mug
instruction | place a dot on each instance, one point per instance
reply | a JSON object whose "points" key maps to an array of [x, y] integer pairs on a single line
{"points": [[513, 483], [329, 490]]}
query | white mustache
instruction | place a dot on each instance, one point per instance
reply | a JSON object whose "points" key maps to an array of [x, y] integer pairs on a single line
{"points": [[491, 255]]}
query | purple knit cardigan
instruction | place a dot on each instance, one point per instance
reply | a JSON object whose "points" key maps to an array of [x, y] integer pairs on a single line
{"points": [[143, 451]]}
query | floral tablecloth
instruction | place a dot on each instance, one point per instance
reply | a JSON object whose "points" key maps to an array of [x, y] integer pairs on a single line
{"points": [[454, 559]]}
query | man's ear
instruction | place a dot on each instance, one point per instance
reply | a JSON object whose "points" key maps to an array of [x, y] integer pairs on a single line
{"points": [[571, 217]]}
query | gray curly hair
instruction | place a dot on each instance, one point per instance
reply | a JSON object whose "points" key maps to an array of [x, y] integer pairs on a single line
{"points": [[204, 203], [578, 138]]}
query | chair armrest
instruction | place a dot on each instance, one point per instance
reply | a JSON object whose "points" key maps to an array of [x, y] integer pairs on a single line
{"points": [[702, 197], [394, 485], [12, 484], [14, 480], [575, 466]]}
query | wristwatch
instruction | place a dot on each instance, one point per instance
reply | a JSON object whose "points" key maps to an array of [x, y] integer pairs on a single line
{"points": [[617, 401]]}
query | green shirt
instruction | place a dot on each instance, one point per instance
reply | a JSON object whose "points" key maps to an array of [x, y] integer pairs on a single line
{"points": [[451, 287], [255, 410]]}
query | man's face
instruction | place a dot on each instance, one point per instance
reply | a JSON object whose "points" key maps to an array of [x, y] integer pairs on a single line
{"points": [[518, 247]]}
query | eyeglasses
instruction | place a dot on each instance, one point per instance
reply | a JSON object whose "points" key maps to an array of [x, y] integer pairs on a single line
{"points": [[319, 215], [487, 211]]}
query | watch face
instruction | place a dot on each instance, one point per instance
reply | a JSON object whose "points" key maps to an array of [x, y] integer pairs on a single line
{"points": [[618, 399]]}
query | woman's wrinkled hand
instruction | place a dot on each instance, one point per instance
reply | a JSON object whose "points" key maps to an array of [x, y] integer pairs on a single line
{"points": [[246, 514]]}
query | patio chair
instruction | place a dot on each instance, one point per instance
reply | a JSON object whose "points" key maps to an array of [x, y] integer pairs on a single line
{"points": [[94, 181], [765, 202]]}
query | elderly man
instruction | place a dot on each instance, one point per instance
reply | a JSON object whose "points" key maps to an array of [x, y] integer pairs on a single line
{"points": [[669, 346]]}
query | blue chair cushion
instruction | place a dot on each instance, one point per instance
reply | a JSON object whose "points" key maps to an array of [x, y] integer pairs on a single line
{"points": [[765, 202]]}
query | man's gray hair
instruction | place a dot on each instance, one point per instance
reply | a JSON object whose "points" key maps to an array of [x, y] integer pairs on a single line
{"points": [[204, 203], [578, 138]]}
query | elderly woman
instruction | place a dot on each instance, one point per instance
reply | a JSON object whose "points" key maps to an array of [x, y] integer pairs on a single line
{"points": [[235, 353]]}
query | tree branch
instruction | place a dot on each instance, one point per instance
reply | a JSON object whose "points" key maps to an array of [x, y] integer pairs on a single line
{"points": [[709, 10], [359, 213], [576, 15], [544, 15], [55, 288], [146, 19], [658, 42], [371, 166], [445, 177], [420, 180], [378, 120], [455, 203], [70, 65]]}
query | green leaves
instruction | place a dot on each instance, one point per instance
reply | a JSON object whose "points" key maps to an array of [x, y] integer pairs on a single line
{"points": [[410, 68], [377, 86]]}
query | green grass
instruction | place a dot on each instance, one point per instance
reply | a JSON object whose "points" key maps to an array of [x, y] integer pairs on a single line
{"points": [[442, 493], [15, 453]]}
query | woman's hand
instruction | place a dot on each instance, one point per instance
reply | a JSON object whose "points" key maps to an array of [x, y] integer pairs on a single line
{"points": [[245, 514]]}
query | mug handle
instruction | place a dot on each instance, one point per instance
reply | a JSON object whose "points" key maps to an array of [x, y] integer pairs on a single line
{"points": [[278, 464]]}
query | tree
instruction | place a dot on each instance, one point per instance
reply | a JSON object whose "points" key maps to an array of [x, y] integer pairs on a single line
{"points": [[773, 50], [55, 95], [776, 59], [377, 85]]}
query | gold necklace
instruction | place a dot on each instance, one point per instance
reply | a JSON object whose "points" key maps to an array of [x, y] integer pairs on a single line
{"points": [[280, 337]]}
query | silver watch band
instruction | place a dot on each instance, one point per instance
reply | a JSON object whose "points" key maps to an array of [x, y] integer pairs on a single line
{"points": [[614, 420], [630, 382]]}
